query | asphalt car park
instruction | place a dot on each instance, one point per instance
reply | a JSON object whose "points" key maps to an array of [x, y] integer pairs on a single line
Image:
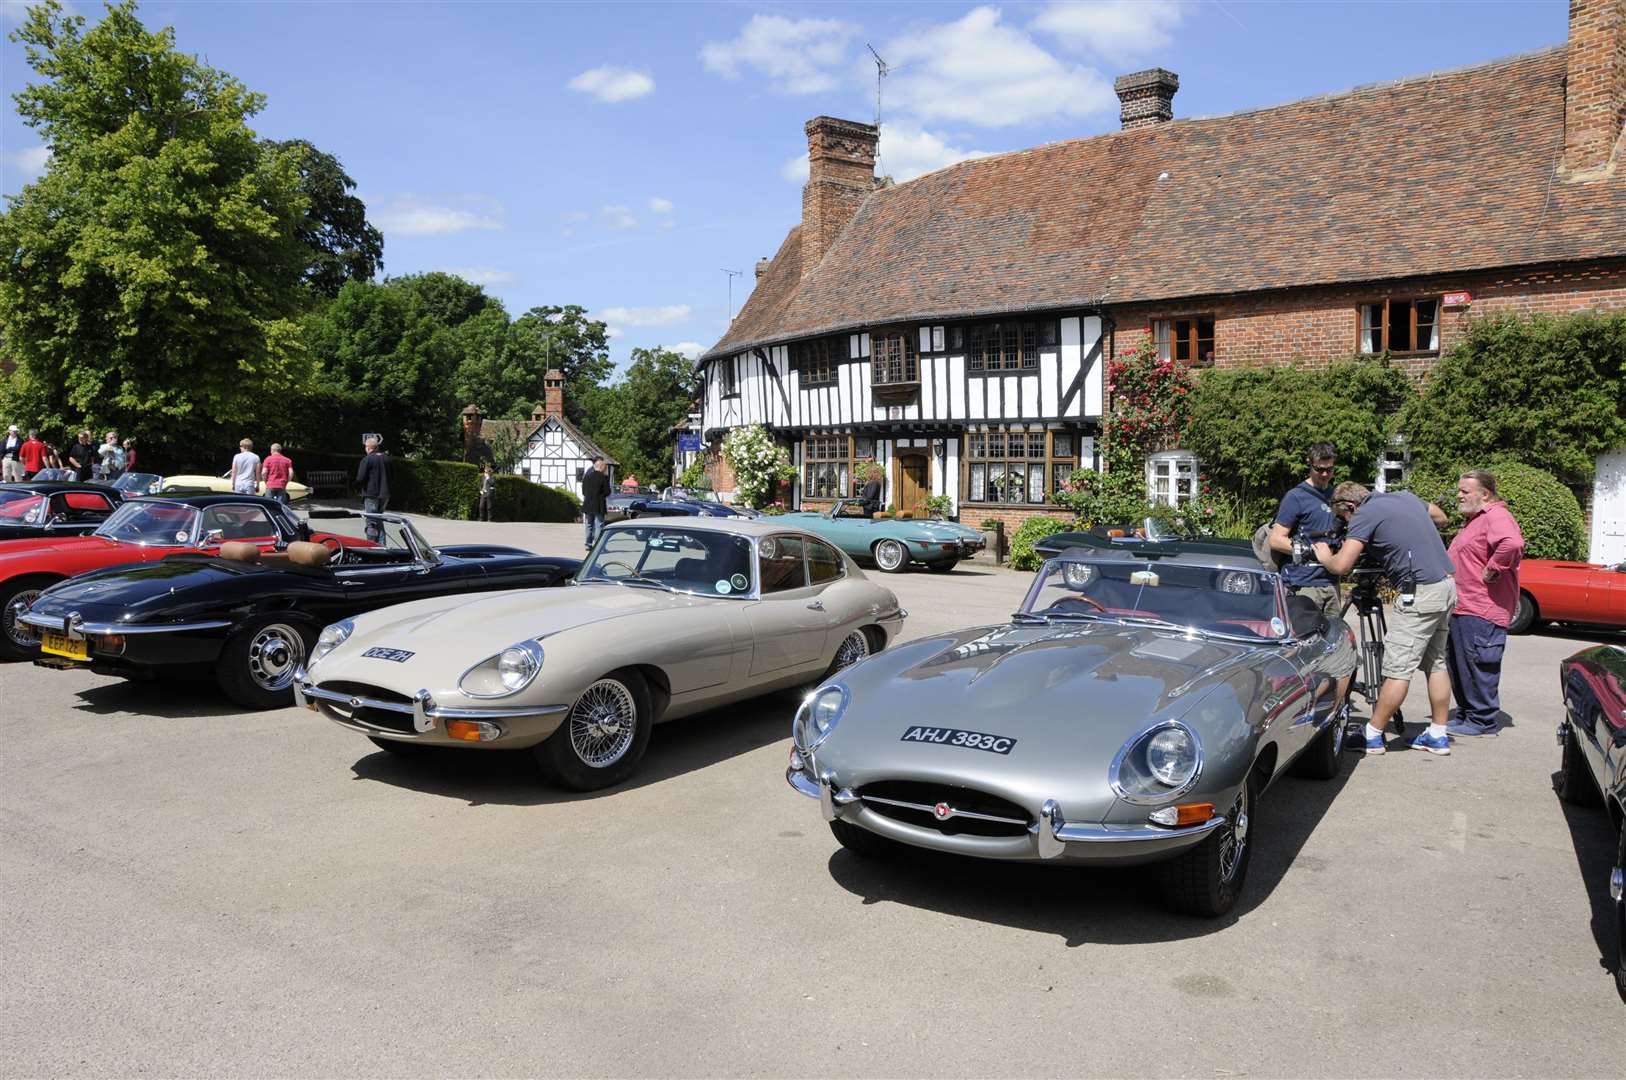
{"points": [[190, 889]]}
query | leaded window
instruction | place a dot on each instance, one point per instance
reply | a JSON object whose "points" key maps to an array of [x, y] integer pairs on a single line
{"points": [[1011, 345], [826, 466], [1021, 467], [894, 358], [818, 360]]}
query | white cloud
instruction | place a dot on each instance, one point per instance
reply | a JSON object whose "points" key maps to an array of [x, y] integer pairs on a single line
{"points": [[798, 56], [907, 151], [30, 162], [618, 217], [796, 169], [977, 70], [612, 84], [660, 205], [613, 331], [481, 275], [407, 215], [691, 349], [1114, 30], [665, 315]]}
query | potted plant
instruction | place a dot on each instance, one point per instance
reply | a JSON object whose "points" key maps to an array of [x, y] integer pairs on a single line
{"points": [[939, 506]]}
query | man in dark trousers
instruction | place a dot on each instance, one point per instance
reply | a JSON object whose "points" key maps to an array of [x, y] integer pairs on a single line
{"points": [[595, 498], [871, 496], [373, 481]]}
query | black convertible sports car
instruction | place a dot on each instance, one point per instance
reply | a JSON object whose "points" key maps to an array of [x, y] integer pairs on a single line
{"points": [[35, 508], [251, 615]]}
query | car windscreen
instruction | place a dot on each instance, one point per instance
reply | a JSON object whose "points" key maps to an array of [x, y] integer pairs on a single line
{"points": [[1224, 600], [689, 560], [151, 523], [143, 482], [17, 506]]}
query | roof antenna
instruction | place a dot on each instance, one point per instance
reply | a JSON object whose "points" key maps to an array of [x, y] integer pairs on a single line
{"points": [[732, 274], [882, 70]]}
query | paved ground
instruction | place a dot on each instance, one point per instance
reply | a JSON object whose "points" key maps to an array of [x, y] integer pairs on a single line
{"points": [[185, 890]]}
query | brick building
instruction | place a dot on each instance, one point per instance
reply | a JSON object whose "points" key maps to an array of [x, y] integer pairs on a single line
{"points": [[954, 328]]}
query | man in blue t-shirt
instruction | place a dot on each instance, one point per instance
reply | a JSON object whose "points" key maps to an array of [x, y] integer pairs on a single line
{"points": [[1304, 519]]}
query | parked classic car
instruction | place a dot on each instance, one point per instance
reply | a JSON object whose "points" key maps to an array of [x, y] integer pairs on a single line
{"points": [[1149, 531], [1587, 594], [191, 484], [135, 484], [36, 508], [619, 506], [1592, 769], [676, 504], [892, 545], [250, 617], [141, 530], [1133, 710], [56, 474], [667, 617]]}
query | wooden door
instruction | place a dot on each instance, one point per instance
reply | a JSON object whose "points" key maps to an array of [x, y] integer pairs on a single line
{"points": [[912, 483]]}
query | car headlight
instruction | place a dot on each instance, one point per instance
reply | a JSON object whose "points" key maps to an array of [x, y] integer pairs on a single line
{"points": [[332, 636], [818, 717], [1160, 763], [508, 672]]}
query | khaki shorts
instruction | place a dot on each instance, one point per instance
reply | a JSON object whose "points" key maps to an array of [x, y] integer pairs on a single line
{"points": [[1326, 598], [1417, 635]]}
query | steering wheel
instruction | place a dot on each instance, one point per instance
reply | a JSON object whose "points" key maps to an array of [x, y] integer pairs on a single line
{"points": [[616, 562], [1077, 598], [335, 545]]}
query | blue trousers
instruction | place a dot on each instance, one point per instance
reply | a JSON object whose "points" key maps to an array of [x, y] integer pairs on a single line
{"points": [[1474, 661], [595, 523]]}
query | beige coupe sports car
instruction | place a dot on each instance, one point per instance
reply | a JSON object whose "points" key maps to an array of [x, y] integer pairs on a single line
{"points": [[666, 617]]}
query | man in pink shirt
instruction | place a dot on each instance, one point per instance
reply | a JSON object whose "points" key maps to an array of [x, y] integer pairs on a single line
{"points": [[276, 471], [1486, 554]]}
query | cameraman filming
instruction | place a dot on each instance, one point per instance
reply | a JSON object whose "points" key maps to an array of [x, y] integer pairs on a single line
{"points": [[1403, 533]]}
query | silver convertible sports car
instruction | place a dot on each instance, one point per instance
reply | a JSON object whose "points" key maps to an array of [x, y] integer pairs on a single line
{"points": [[665, 618], [1132, 711]]}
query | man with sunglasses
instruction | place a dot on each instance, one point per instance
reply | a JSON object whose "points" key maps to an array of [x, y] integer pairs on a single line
{"points": [[1305, 518]]}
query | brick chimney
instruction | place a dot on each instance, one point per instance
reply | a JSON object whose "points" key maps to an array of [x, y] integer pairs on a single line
{"points": [[1595, 84], [840, 172], [553, 393], [762, 266], [1146, 98], [472, 421]]}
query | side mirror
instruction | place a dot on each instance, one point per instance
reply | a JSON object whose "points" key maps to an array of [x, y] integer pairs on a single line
{"points": [[214, 537], [1305, 617], [52, 522]]}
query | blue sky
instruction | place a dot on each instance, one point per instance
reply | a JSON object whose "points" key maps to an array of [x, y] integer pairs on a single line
{"points": [[622, 155]]}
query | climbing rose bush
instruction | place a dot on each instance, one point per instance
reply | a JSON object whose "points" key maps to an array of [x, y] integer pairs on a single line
{"points": [[759, 464]]}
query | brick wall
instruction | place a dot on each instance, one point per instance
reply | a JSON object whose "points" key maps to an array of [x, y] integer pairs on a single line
{"points": [[1319, 325]]}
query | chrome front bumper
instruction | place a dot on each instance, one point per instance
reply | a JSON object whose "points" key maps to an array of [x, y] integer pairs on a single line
{"points": [[1050, 837], [75, 628], [426, 715]]}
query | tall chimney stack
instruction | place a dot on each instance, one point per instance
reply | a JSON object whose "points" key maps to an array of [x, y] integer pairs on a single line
{"points": [[553, 393], [1595, 83], [1146, 98], [840, 172]]}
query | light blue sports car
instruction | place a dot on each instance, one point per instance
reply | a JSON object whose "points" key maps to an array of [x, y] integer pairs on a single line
{"points": [[892, 545]]}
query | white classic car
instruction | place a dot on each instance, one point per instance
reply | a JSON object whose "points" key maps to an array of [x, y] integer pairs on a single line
{"points": [[667, 617]]}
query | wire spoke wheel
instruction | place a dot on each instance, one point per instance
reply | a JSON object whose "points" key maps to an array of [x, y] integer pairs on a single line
{"points": [[854, 647], [889, 556], [273, 653], [19, 603], [1234, 841], [603, 724]]}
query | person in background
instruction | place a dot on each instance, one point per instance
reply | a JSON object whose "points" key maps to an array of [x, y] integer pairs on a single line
{"points": [[111, 456], [32, 455], [81, 456], [1487, 553], [595, 498], [1305, 515], [11, 468], [53, 460], [871, 495], [276, 470], [487, 483], [245, 469], [373, 481], [129, 454]]}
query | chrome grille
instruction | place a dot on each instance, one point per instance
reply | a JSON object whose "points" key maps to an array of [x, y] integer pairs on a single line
{"points": [[385, 719], [945, 808]]}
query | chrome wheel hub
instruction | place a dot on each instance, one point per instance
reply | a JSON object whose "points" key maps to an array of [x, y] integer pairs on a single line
{"points": [[14, 610], [603, 723], [854, 647], [1235, 841], [273, 654]]}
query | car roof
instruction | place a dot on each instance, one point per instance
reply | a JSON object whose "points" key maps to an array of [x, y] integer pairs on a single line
{"points": [[213, 499], [752, 527], [1162, 553], [45, 486]]}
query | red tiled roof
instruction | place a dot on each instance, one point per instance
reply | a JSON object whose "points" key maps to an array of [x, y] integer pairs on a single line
{"points": [[1440, 173]]}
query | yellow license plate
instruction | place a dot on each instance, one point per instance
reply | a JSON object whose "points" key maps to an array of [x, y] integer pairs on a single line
{"points": [[61, 645]]}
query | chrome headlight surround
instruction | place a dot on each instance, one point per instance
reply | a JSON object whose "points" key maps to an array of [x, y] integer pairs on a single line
{"points": [[1141, 773], [821, 711], [333, 635], [506, 673]]}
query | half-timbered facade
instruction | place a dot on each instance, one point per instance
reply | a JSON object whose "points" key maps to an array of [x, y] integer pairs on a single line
{"points": [[553, 450], [955, 329]]}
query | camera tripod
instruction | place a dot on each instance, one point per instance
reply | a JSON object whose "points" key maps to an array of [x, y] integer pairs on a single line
{"points": [[1370, 628]]}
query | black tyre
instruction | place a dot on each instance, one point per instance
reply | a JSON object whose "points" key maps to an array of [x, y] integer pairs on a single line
{"points": [[891, 557], [402, 749], [15, 596], [1575, 784], [1206, 880], [604, 736], [1524, 616], [862, 842], [942, 567], [256, 665], [1320, 759]]}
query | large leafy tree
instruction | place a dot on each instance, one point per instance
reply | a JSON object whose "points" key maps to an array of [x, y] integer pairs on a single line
{"points": [[633, 419], [446, 298], [341, 245], [150, 277]]}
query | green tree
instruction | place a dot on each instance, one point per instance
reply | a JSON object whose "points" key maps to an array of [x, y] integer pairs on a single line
{"points": [[565, 338], [497, 371], [446, 298], [341, 245], [1547, 391], [149, 279], [633, 419]]}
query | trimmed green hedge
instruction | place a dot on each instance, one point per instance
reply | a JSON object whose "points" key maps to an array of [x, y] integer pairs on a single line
{"points": [[450, 489], [1548, 513], [1034, 529]]}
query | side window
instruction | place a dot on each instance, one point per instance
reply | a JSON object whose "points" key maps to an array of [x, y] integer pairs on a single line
{"points": [[823, 564], [77, 506], [238, 523], [781, 566]]}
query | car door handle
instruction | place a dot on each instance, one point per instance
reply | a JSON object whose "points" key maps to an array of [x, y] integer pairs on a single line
{"points": [[817, 605]]}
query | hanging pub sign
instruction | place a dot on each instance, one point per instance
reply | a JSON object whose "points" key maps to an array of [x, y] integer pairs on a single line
{"points": [[688, 444]]}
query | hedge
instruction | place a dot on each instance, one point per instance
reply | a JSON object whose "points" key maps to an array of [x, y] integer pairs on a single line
{"points": [[1548, 513], [1034, 529], [449, 489]]}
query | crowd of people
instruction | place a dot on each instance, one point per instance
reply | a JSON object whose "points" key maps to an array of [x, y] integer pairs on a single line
{"points": [[23, 457]]}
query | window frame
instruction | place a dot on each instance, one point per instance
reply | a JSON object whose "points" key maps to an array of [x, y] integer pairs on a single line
{"points": [[1016, 357], [1048, 463], [830, 358], [1173, 458], [1168, 343], [907, 361], [728, 385], [849, 444], [1383, 325]]}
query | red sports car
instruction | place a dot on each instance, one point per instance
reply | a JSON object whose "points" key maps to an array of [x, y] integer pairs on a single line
{"points": [[142, 530], [1570, 592]]}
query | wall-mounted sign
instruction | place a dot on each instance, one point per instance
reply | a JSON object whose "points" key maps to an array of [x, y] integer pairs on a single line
{"points": [[1458, 299], [894, 412], [689, 444]]}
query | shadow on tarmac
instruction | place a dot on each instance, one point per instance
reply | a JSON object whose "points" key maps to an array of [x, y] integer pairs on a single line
{"points": [[1596, 842], [168, 698], [511, 777], [1088, 905]]}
